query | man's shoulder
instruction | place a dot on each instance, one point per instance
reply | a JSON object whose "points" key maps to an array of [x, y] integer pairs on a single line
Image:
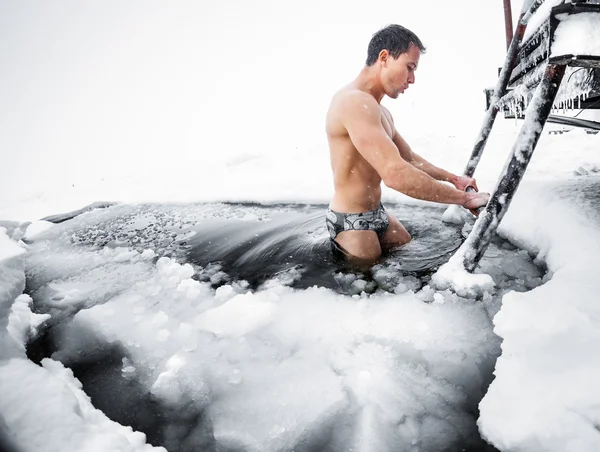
{"points": [[350, 101], [350, 95]]}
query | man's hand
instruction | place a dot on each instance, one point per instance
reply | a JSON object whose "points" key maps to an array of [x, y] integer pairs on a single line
{"points": [[462, 182], [475, 200]]}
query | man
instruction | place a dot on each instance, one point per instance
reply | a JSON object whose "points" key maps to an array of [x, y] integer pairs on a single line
{"points": [[366, 149]]}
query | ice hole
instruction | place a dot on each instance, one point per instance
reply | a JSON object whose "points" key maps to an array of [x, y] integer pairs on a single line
{"points": [[235, 327]]}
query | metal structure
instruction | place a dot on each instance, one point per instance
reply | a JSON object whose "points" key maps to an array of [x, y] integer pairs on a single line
{"points": [[508, 25], [531, 74]]}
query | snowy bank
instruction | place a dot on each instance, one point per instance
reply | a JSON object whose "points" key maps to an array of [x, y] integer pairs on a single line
{"points": [[42, 408], [544, 396]]}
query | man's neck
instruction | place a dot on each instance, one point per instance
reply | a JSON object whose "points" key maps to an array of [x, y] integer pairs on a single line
{"points": [[368, 80]]}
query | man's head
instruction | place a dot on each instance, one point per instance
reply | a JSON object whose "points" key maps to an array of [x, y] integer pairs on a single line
{"points": [[396, 50]]}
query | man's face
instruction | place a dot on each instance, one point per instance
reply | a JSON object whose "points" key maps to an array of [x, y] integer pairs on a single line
{"points": [[398, 73]]}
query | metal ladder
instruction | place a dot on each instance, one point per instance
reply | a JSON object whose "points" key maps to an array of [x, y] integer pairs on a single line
{"points": [[529, 56]]}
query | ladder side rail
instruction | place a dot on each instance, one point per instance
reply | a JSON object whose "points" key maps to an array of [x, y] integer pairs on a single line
{"points": [[478, 240], [501, 85]]}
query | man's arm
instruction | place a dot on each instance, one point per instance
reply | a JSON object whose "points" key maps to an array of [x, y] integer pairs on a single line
{"points": [[362, 120], [460, 182], [420, 163]]}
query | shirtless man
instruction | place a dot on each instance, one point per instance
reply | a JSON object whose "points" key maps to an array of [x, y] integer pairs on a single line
{"points": [[366, 149]]}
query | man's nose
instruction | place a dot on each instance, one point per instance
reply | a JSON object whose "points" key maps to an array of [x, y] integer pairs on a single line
{"points": [[411, 78]]}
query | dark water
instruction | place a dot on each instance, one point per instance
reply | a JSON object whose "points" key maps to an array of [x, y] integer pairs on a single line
{"points": [[256, 251], [253, 244]]}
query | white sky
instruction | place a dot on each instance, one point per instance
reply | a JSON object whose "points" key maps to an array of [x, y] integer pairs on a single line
{"points": [[91, 89]]}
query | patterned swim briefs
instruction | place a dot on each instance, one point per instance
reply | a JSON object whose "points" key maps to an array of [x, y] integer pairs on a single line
{"points": [[374, 220]]}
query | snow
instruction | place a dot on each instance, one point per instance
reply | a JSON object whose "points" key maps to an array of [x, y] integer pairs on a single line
{"points": [[539, 16], [58, 416], [9, 249], [36, 227], [23, 324], [291, 356], [547, 362], [43, 407], [578, 34], [280, 368], [265, 378]]}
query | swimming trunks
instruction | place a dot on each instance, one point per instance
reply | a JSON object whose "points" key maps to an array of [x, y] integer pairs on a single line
{"points": [[374, 220]]}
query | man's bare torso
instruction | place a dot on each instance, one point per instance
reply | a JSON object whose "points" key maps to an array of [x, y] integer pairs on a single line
{"points": [[357, 184]]}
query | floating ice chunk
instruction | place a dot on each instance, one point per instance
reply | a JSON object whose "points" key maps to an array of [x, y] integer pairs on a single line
{"points": [[180, 387], [412, 282], [186, 271], [175, 363], [360, 284], [170, 268], [586, 169], [438, 298], [426, 294], [288, 277], [167, 387], [191, 288], [218, 278], [64, 294], [345, 278], [148, 255], [37, 227], [250, 217], [455, 214], [401, 288], [142, 222], [127, 368], [125, 255], [239, 316], [224, 293], [453, 275], [22, 322], [387, 277]]}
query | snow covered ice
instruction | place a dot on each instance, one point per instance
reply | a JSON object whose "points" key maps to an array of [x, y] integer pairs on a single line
{"points": [[205, 361]]}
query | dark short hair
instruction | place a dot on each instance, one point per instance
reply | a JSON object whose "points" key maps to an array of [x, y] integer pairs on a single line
{"points": [[395, 39]]}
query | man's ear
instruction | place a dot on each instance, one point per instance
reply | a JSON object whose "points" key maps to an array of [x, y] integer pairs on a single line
{"points": [[383, 56]]}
